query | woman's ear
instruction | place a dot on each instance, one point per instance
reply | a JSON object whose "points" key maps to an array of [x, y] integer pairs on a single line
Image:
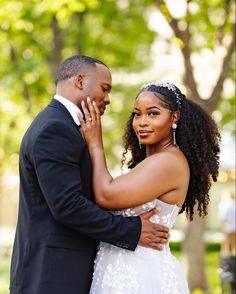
{"points": [[79, 80], [176, 116]]}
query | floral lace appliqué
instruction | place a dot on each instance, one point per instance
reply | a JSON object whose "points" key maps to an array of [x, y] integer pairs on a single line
{"points": [[170, 283], [120, 271], [118, 277]]}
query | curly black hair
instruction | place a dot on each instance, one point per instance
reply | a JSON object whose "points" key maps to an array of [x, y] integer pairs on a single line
{"points": [[198, 138]]}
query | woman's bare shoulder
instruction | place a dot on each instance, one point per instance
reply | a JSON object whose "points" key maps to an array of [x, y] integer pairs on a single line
{"points": [[172, 157], [171, 162]]}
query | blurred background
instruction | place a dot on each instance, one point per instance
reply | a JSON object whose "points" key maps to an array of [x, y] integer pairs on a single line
{"points": [[188, 43]]}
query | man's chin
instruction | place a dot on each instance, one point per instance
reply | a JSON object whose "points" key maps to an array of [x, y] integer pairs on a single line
{"points": [[102, 110]]}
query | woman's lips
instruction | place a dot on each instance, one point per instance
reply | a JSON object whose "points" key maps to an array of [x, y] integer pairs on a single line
{"points": [[144, 133]]}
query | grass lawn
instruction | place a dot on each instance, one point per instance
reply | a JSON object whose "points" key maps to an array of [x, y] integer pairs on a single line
{"points": [[211, 263], [211, 271], [4, 274], [212, 260]]}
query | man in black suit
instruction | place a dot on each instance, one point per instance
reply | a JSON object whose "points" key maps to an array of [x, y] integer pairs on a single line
{"points": [[59, 224]]}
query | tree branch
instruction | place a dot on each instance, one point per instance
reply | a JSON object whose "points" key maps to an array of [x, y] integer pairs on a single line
{"points": [[227, 7], [216, 93], [25, 92], [57, 45], [80, 17], [185, 36]]}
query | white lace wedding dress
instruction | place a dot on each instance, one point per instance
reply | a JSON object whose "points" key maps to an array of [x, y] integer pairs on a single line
{"points": [[144, 271]]}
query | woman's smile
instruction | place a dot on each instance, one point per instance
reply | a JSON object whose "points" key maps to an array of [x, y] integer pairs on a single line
{"points": [[144, 133]]}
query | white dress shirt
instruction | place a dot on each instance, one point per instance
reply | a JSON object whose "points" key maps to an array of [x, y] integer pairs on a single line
{"points": [[71, 107]]}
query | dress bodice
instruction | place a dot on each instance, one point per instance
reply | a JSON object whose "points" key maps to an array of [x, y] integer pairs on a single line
{"points": [[165, 217]]}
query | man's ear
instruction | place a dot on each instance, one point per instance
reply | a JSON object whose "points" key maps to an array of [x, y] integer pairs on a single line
{"points": [[176, 116], [79, 80]]}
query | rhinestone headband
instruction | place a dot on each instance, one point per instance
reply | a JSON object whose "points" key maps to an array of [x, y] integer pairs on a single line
{"points": [[169, 86]]}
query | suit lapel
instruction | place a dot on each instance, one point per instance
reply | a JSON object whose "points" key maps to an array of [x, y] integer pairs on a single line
{"points": [[56, 104]]}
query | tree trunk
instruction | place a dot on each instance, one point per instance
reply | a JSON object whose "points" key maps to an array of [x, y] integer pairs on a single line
{"points": [[57, 46], [193, 245], [194, 253]]}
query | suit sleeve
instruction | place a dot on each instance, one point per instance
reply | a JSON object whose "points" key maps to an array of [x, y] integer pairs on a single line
{"points": [[55, 156]]}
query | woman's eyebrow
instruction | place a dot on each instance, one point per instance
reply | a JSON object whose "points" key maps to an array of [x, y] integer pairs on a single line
{"points": [[151, 107]]}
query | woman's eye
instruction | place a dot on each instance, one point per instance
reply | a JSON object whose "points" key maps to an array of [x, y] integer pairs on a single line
{"points": [[135, 114], [153, 113]]}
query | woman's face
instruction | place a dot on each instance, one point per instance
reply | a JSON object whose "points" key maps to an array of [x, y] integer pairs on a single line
{"points": [[152, 122]]}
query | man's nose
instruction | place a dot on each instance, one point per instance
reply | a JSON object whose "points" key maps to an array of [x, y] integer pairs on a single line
{"points": [[107, 99]]}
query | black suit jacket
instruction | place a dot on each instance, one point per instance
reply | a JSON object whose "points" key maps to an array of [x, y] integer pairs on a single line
{"points": [[58, 223]]}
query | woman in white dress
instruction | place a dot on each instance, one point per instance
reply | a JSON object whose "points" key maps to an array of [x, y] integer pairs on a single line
{"points": [[174, 148]]}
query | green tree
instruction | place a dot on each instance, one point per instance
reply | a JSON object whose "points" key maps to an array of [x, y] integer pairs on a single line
{"points": [[38, 35], [205, 24]]}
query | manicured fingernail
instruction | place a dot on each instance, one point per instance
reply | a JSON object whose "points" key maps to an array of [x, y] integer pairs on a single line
{"points": [[88, 98], [82, 102], [94, 102]]}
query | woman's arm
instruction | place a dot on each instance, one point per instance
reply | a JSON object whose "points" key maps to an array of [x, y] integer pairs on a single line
{"points": [[152, 178]]}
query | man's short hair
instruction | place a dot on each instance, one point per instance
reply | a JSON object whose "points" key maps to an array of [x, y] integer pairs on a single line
{"points": [[75, 64]]}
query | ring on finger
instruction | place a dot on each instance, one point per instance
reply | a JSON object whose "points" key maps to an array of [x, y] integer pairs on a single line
{"points": [[89, 119]]}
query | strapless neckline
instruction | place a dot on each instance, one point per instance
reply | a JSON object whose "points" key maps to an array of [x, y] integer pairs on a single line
{"points": [[165, 203], [166, 216]]}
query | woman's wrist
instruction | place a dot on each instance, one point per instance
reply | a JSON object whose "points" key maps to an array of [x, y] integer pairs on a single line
{"points": [[95, 147]]}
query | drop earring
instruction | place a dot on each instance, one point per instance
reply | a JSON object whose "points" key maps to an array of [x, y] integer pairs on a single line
{"points": [[140, 146], [174, 127]]}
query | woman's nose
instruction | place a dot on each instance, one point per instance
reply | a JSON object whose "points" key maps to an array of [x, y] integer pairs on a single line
{"points": [[143, 120]]}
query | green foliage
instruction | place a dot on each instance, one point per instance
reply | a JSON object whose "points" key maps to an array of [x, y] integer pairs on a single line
{"points": [[210, 246], [210, 21], [227, 107], [205, 29], [4, 274], [38, 35]]}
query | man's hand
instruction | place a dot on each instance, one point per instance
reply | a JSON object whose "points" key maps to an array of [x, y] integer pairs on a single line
{"points": [[153, 235]]}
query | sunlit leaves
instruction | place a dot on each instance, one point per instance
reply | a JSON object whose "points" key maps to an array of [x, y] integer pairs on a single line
{"points": [[34, 32], [115, 31]]}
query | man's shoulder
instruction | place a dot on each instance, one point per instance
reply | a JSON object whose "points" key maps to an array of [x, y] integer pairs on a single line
{"points": [[52, 115], [47, 120]]}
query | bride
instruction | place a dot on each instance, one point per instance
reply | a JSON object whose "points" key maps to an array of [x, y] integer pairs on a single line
{"points": [[174, 148]]}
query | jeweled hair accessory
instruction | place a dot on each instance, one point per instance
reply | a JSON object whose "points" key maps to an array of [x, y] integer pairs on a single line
{"points": [[169, 86]]}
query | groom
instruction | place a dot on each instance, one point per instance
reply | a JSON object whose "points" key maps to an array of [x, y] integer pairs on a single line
{"points": [[59, 225]]}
